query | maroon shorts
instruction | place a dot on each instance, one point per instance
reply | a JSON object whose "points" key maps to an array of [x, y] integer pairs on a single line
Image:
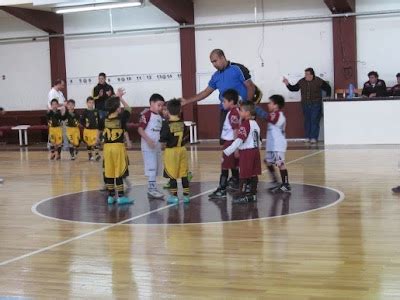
{"points": [[249, 163], [230, 162]]}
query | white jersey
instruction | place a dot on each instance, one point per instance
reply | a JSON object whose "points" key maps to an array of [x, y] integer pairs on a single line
{"points": [[249, 133], [231, 123], [151, 124], [276, 139], [54, 94]]}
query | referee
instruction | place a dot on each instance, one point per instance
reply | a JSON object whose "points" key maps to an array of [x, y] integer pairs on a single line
{"points": [[229, 75]]}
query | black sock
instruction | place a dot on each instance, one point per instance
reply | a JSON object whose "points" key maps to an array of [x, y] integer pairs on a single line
{"points": [[235, 174], [223, 179], [285, 176], [185, 186], [119, 185], [173, 188], [59, 150], [253, 185], [72, 151], [271, 169]]}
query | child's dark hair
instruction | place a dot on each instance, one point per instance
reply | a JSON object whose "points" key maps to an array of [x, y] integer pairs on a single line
{"points": [[231, 95], [174, 107], [278, 100], [373, 73], [89, 99], [53, 100], [112, 104], [71, 101], [250, 107], [156, 97]]}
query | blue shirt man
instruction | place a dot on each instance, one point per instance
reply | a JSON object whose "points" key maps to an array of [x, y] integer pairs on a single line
{"points": [[229, 75]]}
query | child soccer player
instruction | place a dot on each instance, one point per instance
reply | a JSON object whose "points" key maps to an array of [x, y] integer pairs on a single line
{"points": [[276, 143], [149, 129], [175, 135], [228, 135], [248, 143], [114, 151], [73, 132], [54, 122], [91, 134]]}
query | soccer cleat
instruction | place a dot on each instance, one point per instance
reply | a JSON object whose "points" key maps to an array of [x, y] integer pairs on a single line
{"points": [[396, 189], [124, 200], [186, 198], [244, 199], [167, 186], [155, 194], [111, 200], [172, 199], [218, 193], [283, 188]]}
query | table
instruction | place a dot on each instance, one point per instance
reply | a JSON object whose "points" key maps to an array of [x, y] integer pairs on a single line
{"points": [[360, 121], [193, 131], [23, 134]]}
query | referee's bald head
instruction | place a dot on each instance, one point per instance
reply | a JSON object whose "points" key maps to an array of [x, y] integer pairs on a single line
{"points": [[218, 52]]}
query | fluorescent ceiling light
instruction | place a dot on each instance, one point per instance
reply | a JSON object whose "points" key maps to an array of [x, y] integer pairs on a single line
{"points": [[73, 9]]}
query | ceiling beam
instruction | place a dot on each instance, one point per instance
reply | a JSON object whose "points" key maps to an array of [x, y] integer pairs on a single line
{"points": [[341, 6], [47, 21], [182, 11]]}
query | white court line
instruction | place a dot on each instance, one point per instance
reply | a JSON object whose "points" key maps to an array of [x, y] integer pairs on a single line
{"points": [[6, 262]]}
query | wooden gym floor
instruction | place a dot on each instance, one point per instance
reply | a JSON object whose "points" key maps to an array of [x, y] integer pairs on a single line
{"points": [[348, 250]]}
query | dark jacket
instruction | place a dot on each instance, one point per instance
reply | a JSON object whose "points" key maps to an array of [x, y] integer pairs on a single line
{"points": [[311, 91], [100, 101], [379, 89]]}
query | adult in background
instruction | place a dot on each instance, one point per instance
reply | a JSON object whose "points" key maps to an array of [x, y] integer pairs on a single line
{"points": [[229, 75], [101, 92], [395, 91], [374, 87], [311, 88], [56, 93]]}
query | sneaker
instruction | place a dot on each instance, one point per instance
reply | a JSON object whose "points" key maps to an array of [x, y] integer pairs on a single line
{"points": [[186, 198], [218, 193], [111, 200], [172, 200], [58, 156], [73, 157], [167, 186], [91, 158], [52, 156], [98, 157], [124, 200], [1, 180], [275, 187], [313, 141], [244, 199], [306, 141], [396, 189], [155, 194], [283, 188]]}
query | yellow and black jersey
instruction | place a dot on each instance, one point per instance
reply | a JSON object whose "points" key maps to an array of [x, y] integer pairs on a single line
{"points": [[114, 128], [90, 119], [54, 118], [72, 119], [174, 133]]}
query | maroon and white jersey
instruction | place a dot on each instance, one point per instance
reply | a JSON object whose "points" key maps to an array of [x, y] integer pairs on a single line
{"points": [[151, 124], [231, 123], [276, 139], [249, 133]]}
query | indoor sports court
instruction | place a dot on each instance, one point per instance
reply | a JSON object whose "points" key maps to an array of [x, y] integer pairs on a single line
{"points": [[159, 149]]}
